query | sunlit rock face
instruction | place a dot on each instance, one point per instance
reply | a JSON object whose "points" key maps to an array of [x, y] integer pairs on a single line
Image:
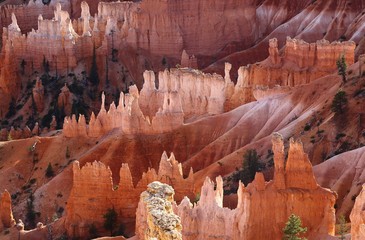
{"points": [[93, 192], [263, 207], [155, 216]]}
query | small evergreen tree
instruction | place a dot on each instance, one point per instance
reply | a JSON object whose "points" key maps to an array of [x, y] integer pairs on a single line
{"points": [[12, 109], [23, 63], [250, 166], [293, 229], [341, 67], [30, 214], [49, 171], [94, 76], [339, 102], [110, 220], [45, 65]]}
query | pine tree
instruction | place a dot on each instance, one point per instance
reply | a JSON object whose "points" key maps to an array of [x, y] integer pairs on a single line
{"points": [[339, 102], [49, 171], [293, 229], [341, 67], [110, 220], [30, 214], [250, 166], [45, 65]]}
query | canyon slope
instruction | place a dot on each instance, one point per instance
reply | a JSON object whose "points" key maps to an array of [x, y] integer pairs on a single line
{"points": [[97, 94]]}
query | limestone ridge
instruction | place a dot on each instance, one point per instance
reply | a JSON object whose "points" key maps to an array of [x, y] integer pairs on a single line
{"points": [[357, 217], [155, 216], [6, 214], [263, 207], [93, 192]]}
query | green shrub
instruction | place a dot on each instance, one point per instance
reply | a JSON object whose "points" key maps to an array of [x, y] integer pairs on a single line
{"points": [[250, 165], [49, 171], [293, 228], [339, 103], [110, 220], [340, 135], [341, 67]]}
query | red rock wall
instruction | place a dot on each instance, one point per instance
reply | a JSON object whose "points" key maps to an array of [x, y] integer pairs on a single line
{"points": [[92, 193], [301, 63], [182, 94], [264, 207], [27, 15], [6, 214], [357, 217]]}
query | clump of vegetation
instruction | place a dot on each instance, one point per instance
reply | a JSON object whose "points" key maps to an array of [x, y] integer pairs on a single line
{"points": [[341, 67], [197, 198], [340, 135], [343, 228], [293, 228], [251, 164], [110, 220], [49, 171], [68, 154], [30, 213], [344, 147], [93, 231], [339, 103], [11, 111], [45, 64]]}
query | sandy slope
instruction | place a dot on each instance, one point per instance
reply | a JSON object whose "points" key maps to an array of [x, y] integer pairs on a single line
{"points": [[344, 174]]}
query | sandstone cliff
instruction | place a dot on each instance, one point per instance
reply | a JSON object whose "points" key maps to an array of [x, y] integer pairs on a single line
{"points": [[67, 44], [357, 217], [300, 63], [93, 193], [182, 94], [6, 215], [293, 190]]}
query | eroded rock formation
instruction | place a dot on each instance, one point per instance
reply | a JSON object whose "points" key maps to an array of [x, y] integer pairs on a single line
{"points": [[155, 217], [64, 44], [38, 95], [357, 217], [264, 207], [188, 61], [300, 64], [64, 100], [182, 94], [6, 214], [93, 193], [186, 93]]}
